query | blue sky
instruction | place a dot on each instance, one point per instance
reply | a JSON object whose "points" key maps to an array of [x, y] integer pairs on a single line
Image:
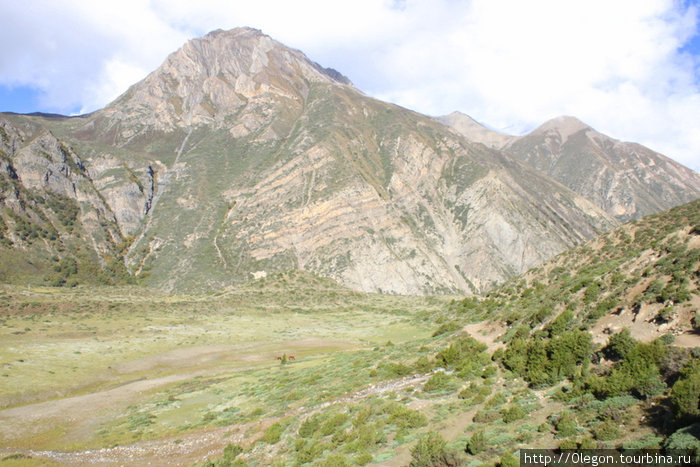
{"points": [[629, 68]]}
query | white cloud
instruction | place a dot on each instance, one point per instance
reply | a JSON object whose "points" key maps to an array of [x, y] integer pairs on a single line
{"points": [[509, 63]]}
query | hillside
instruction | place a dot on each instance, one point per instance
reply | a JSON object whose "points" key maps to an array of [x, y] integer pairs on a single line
{"points": [[642, 275], [625, 179], [240, 157], [375, 378]]}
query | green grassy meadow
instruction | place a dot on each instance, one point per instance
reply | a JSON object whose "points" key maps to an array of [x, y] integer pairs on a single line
{"points": [[92, 368]]}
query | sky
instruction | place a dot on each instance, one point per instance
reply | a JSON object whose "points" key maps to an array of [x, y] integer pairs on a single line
{"points": [[628, 68]]}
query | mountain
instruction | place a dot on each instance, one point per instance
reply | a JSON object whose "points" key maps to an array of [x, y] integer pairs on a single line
{"points": [[475, 131], [627, 180], [239, 157]]}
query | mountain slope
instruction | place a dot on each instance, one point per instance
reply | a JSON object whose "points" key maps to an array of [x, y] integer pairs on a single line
{"points": [[627, 180], [286, 167], [239, 157], [643, 275], [53, 217]]}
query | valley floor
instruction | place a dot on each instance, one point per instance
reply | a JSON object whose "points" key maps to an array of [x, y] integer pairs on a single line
{"points": [[289, 370]]}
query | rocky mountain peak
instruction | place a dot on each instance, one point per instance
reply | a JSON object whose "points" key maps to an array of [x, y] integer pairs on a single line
{"points": [[210, 79], [475, 131], [564, 125]]}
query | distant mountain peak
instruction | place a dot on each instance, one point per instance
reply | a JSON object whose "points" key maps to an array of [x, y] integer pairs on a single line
{"points": [[475, 131], [565, 125]]}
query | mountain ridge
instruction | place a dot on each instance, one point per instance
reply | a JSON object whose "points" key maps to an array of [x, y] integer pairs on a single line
{"points": [[613, 174], [240, 157]]}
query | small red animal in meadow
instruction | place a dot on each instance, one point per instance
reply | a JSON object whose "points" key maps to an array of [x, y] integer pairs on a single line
{"points": [[291, 357]]}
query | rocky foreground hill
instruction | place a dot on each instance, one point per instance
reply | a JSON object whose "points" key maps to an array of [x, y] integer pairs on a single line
{"points": [[240, 157]]}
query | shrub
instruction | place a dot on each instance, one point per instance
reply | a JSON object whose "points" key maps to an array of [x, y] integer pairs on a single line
{"points": [[665, 315], [476, 443], [508, 460], [403, 417], [588, 443], [309, 426], [429, 451], [310, 451], [568, 444], [394, 369], [495, 401], [687, 438], [620, 345], [332, 423], [273, 434], [447, 328], [566, 426], [465, 349], [231, 451], [440, 381], [486, 416], [606, 431], [561, 323], [685, 395], [511, 414], [334, 460]]}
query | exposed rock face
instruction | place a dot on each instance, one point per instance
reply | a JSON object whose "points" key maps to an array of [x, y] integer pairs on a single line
{"points": [[240, 157], [627, 180], [50, 204], [211, 81]]}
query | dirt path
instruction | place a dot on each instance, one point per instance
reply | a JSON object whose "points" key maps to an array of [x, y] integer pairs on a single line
{"points": [[486, 333]]}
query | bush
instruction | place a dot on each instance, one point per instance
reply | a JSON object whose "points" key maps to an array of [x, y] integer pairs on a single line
{"points": [[394, 370], [231, 451], [309, 426], [566, 426], [687, 438], [495, 401], [332, 423], [637, 373], [486, 416], [685, 395], [440, 381], [429, 451], [403, 417], [334, 460], [511, 414], [447, 328], [620, 345], [465, 349], [273, 434], [508, 460], [606, 431], [310, 451], [476, 443], [568, 444]]}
